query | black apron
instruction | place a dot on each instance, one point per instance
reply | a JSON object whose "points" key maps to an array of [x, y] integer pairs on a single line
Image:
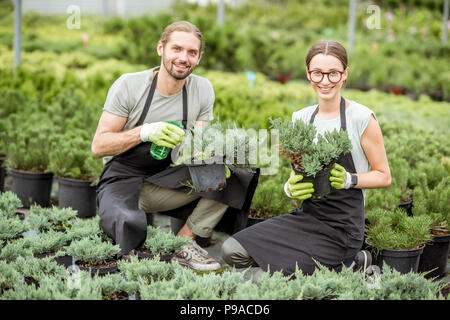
{"points": [[120, 183], [329, 230]]}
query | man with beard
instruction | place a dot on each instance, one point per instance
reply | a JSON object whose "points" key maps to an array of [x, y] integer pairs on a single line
{"points": [[135, 115]]}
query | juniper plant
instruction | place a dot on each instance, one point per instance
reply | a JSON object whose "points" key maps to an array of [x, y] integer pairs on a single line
{"points": [[309, 151]]}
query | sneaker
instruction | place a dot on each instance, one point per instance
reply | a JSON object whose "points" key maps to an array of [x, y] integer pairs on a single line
{"points": [[195, 257]]}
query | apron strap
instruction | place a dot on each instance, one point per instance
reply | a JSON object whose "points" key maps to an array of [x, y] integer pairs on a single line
{"points": [[342, 115], [148, 102]]}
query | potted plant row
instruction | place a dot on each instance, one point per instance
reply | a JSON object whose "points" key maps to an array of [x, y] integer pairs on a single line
{"points": [[76, 170], [94, 255], [435, 204], [311, 154], [396, 239], [27, 146]]}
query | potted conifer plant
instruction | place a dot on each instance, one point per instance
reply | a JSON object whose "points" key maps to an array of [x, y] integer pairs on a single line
{"points": [[434, 203], [312, 155], [160, 243], [77, 171], [94, 255], [397, 239], [27, 145]]}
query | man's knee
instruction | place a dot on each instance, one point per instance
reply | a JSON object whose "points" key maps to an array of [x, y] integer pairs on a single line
{"points": [[235, 255]]}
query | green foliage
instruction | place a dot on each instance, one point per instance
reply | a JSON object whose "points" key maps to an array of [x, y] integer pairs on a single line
{"points": [[92, 251], [71, 157], [11, 228], [394, 229], [14, 249], [9, 203], [48, 242], [434, 203], [310, 152], [81, 229], [147, 270], [43, 219], [160, 242], [111, 284]]}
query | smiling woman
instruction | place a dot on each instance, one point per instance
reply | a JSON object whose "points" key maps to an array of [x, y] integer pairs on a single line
{"points": [[328, 230]]}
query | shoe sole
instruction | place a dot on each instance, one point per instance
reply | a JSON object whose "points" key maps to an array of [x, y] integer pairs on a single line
{"points": [[189, 265]]}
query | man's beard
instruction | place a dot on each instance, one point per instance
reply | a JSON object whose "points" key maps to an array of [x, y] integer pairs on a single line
{"points": [[168, 65]]}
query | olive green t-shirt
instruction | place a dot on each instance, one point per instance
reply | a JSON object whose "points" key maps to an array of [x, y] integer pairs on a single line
{"points": [[128, 94]]}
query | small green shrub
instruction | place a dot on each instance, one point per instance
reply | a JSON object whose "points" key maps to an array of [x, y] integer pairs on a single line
{"points": [[160, 242], [92, 251], [11, 228], [9, 203], [396, 230], [308, 152]]}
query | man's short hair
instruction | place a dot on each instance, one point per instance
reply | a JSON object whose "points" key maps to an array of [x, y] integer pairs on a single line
{"points": [[182, 26]]}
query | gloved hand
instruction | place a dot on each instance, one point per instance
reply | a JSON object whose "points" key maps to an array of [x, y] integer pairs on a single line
{"points": [[227, 172], [338, 177], [299, 190], [162, 133]]}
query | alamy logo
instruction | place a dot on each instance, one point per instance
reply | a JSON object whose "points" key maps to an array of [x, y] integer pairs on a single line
{"points": [[74, 20]]}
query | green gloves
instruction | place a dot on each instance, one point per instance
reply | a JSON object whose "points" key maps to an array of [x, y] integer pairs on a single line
{"points": [[299, 190], [162, 133], [338, 177], [227, 172]]}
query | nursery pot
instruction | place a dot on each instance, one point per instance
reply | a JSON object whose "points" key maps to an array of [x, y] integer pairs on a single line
{"points": [[78, 195], [65, 260], [403, 261], [208, 177], [100, 270], [32, 187], [252, 221], [2, 172], [407, 206], [435, 256], [321, 182], [145, 255]]}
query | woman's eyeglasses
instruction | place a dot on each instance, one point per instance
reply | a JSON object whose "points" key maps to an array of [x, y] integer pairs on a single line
{"points": [[333, 76]]}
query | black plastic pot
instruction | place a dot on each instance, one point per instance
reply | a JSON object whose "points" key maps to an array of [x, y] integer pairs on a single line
{"points": [[435, 255], [208, 177], [145, 255], [252, 221], [32, 187], [407, 206], [403, 261], [78, 195], [100, 271], [2, 172], [321, 182], [65, 261]]}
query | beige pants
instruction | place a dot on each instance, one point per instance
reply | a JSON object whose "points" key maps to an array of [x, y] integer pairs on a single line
{"points": [[206, 215]]}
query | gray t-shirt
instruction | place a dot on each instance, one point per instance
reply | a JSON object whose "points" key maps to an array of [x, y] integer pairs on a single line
{"points": [[357, 118], [128, 94]]}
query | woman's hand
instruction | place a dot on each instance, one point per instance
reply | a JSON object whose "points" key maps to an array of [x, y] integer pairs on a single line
{"points": [[299, 190]]}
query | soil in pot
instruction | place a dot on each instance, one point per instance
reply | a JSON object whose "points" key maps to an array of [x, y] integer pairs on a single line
{"points": [[434, 256], [64, 261], [321, 181], [146, 254], [78, 195], [110, 266], [117, 296], [32, 187], [404, 261]]}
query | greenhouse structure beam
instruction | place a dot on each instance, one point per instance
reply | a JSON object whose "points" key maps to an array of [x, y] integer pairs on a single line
{"points": [[17, 32]]}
